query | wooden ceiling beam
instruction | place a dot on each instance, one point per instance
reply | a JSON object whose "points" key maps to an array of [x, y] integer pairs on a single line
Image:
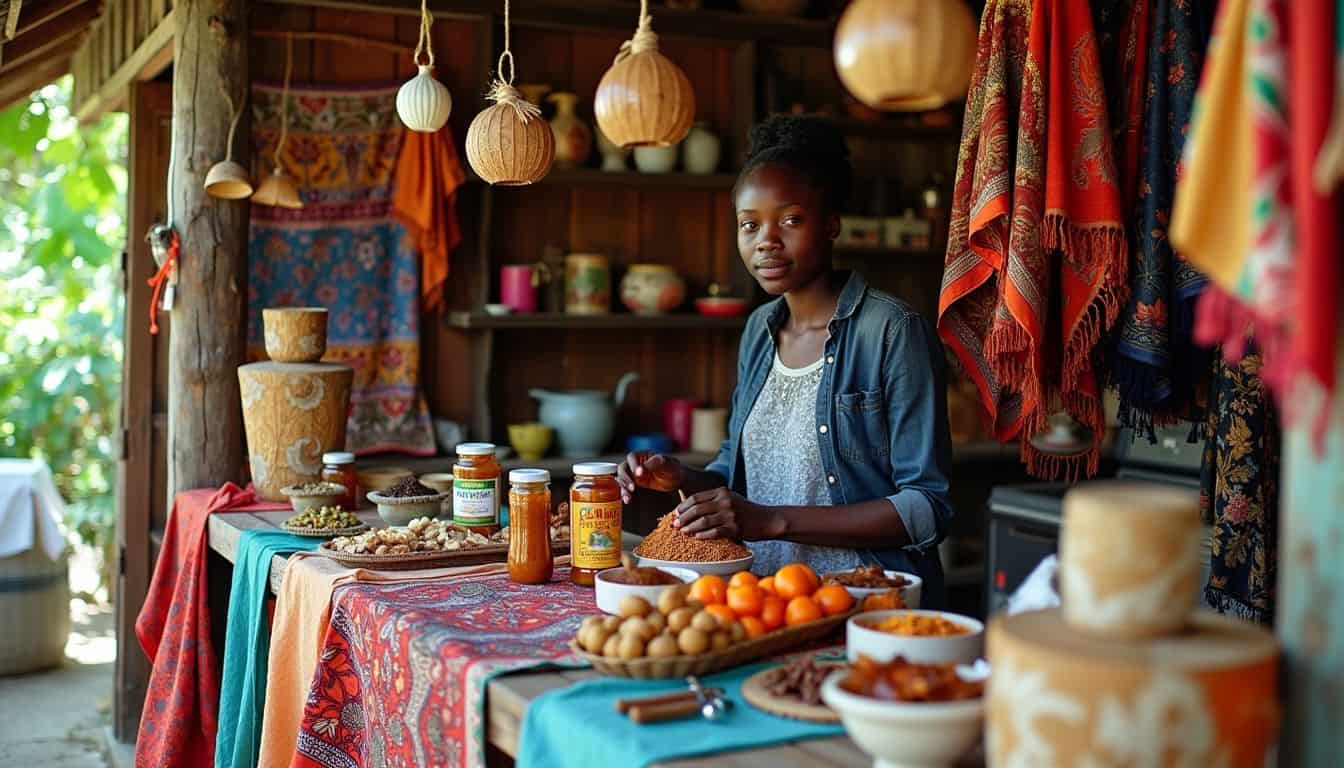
{"points": [[22, 81], [39, 12], [9, 18], [63, 31]]}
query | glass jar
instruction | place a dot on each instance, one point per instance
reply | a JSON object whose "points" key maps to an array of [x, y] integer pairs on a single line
{"points": [[594, 521], [339, 467], [476, 488], [530, 560]]}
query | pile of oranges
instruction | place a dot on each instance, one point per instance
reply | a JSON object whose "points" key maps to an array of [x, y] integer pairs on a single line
{"points": [[791, 596]]}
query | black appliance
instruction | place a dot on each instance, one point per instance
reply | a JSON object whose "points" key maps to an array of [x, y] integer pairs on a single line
{"points": [[1024, 519]]}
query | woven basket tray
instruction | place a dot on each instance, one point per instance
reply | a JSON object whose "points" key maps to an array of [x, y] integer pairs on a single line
{"points": [[754, 691], [324, 533], [413, 561], [735, 656]]}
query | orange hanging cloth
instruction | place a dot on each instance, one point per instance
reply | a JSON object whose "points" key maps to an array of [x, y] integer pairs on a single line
{"points": [[425, 202]]}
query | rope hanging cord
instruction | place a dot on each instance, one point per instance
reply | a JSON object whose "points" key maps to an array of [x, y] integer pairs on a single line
{"points": [[425, 44], [233, 123], [644, 40], [502, 90]]}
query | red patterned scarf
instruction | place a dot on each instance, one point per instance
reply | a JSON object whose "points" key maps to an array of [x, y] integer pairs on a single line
{"points": [[1036, 261]]}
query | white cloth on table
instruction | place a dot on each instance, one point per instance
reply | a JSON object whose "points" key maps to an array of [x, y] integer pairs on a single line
{"points": [[30, 509]]}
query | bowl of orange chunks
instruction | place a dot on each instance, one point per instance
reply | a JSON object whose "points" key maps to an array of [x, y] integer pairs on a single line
{"points": [[789, 597]]}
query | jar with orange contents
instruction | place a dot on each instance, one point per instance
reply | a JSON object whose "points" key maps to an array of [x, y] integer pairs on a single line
{"points": [[594, 521], [530, 560], [476, 488], [339, 467]]}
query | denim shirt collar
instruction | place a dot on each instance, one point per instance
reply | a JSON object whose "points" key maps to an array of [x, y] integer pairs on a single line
{"points": [[850, 296]]}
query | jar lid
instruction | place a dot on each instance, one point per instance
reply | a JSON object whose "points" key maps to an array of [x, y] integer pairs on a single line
{"points": [[529, 476], [475, 449], [338, 457], [592, 468]]}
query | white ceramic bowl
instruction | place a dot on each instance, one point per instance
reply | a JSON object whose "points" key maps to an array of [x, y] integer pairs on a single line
{"points": [[305, 502], [910, 592], [907, 734], [609, 593], [720, 567], [885, 646], [498, 310], [401, 511]]}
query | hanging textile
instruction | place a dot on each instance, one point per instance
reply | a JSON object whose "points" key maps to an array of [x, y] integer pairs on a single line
{"points": [[1246, 210], [1239, 490], [1035, 271], [345, 250], [428, 175], [1154, 362], [1122, 38]]}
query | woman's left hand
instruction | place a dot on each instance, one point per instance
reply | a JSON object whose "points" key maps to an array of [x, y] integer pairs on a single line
{"points": [[723, 514]]}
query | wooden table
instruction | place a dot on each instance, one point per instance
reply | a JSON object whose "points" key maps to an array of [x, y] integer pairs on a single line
{"points": [[507, 696]]}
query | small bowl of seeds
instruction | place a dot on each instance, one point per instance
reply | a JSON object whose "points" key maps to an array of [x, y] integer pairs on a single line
{"points": [[314, 495], [407, 500]]}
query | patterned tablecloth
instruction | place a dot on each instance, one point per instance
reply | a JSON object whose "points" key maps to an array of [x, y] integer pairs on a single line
{"points": [[401, 679]]}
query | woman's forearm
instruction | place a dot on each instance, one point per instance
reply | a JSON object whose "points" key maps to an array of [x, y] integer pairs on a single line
{"points": [[866, 525]]}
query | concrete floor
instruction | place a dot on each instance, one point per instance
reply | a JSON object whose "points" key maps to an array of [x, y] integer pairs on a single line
{"points": [[57, 718]]}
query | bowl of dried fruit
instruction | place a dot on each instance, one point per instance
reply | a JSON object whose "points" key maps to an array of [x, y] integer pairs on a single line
{"points": [[668, 547], [314, 495], [872, 580], [909, 714], [924, 637], [406, 500], [615, 585]]}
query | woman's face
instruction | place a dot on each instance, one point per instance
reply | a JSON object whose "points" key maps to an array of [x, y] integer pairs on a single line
{"points": [[784, 230]]}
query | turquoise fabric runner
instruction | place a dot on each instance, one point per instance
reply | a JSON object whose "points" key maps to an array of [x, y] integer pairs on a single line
{"points": [[247, 644], [578, 726]]}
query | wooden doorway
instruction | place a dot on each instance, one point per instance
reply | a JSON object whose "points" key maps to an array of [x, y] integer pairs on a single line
{"points": [[142, 497]]}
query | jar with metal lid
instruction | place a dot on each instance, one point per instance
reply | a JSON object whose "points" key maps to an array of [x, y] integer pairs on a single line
{"points": [[339, 467], [594, 521], [476, 488], [530, 559]]}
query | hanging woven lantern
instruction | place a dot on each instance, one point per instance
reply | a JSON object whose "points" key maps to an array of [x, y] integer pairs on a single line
{"points": [[423, 103], [644, 100], [227, 179], [278, 188], [508, 143], [905, 55]]}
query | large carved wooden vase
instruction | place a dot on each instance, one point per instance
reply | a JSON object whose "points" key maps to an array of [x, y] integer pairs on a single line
{"points": [[293, 412]]}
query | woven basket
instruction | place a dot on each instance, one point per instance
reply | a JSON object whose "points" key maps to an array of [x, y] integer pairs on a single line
{"points": [[780, 640], [35, 604]]}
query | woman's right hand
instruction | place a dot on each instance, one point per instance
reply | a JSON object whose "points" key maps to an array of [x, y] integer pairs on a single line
{"points": [[646, 469]]}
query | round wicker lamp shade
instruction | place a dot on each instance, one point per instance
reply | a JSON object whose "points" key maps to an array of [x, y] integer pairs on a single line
{"points": [[645, 100], [507, 148], [905, 55]]}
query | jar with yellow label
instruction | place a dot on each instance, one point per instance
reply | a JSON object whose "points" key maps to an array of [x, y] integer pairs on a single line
{"points": [[594, 521], [476, 488]]}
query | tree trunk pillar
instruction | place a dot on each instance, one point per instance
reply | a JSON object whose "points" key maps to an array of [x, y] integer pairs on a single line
{"points": [[206, 345]]}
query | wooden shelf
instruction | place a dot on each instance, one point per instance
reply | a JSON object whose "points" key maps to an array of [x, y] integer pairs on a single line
{"points": [[482, 321], [594, 177], [559, 467], [883, 252], [899, 130]]}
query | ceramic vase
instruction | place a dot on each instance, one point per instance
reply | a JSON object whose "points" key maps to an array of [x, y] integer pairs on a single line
{"points": [[613, 155], [656, 159], [701, 150], [587, 284], [652, 289], [573, 137], [423, 103]]}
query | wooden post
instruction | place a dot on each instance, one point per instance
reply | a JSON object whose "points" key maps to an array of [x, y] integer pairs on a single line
{"points": [[205, 428], [1310, 616]]}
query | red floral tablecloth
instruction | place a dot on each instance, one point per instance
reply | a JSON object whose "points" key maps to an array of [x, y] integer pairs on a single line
{"points": [[401, 678]]}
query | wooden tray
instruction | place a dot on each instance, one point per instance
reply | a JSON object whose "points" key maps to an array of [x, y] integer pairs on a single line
{"points": [[413, 561], [754, 691], [735, 656], [325, 533]]}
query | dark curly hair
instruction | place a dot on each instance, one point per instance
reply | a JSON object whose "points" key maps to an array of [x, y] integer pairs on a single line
{"points": [[811, 146]]}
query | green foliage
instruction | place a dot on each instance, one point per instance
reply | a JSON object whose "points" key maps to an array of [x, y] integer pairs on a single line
{"points": [[62, 204]]}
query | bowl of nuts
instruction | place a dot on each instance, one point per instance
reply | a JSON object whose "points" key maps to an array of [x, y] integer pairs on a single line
{"points": [[406, 500], [314, 495], [324, 522]]}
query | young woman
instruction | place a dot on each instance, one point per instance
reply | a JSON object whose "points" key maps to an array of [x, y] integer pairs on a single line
{"points": [[838, 445]]}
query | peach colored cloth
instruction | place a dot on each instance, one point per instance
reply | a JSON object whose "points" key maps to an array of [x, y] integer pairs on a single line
{"points": [[302, 613]]}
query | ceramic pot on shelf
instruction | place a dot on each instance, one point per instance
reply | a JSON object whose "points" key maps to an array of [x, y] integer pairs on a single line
{"points": [[677, 420], [587, 284], [584, 420], [656, 159], [613, 155], [701, 150], [652, 289], [573, 137], [535, 92]]}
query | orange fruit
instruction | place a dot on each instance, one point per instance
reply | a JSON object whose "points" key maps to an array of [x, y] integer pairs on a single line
{"points": [[721, 612], [796, 580], [709, 589], [768, 584], [833, 599], [746, 600], [754, 626], [801, 610], [772, 612], [742, 579]]}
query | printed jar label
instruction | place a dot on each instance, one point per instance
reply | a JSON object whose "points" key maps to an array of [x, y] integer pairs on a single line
{"points": [[595, 534], [476, 502]]}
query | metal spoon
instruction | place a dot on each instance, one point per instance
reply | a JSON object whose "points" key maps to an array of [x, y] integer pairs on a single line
{"points": [[712, 704]]}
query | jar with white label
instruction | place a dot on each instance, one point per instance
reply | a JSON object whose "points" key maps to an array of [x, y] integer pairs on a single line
{"points": [[476, 488]]}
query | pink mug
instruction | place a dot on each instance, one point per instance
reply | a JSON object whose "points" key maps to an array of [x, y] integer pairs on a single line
{"points": [[677, 420], [516, 289]]}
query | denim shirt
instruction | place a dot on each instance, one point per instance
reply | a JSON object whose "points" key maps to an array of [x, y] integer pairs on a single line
{"points": [[881, 418]]}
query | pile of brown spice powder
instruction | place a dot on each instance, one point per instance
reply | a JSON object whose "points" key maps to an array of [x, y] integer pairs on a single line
{"points": [[668, 543]]}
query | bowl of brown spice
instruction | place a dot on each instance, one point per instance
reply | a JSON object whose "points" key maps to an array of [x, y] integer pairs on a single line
{"points": [[406, 500], [668, 547]]}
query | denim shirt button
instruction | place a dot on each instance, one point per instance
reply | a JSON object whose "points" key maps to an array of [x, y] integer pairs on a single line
{"points": [[822, 429], [830, 359], [830, 479]]}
